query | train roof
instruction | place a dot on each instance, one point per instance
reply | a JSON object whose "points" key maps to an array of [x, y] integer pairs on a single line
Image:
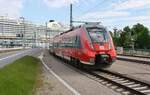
{"points": [[93, 24], [86, 25]]}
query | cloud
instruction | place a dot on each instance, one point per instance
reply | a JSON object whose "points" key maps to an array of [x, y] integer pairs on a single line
{"points": [[136, 19], [63, 3], [127, 21], [131, 4], [59, 3], [102, 15], [87, 2], [11, 8], [117, 13]]}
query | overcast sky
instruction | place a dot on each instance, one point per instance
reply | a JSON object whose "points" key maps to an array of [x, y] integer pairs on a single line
{"points": [[112, 13]]}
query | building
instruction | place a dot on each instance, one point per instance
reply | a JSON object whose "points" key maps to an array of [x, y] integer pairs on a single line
{"points": [[22, 33], [16, 32], [54, 28]]}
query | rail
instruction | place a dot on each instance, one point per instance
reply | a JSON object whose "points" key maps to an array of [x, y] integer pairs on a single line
{"points": [[121, 83]]}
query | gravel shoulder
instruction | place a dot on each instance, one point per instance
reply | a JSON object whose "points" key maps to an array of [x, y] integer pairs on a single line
{"points": [[47, 84], [134, 58], [78, 81], [140, 71]]}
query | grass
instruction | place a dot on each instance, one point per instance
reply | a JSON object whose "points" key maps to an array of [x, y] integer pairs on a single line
{"points": [[19, 78]]}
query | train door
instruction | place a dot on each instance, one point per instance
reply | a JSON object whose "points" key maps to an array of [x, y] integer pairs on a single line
{"points": [[77, 47]]}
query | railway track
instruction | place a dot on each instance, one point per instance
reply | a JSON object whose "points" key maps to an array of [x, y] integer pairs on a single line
{"points": [[120, 83], [136, 59], [125, 85], [134, 56]]}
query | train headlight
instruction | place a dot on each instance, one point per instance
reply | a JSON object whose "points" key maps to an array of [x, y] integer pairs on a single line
{"points": [[91, 45]]}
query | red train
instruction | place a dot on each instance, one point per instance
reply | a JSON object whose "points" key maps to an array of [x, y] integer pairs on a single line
{"points": [[89, 44]]}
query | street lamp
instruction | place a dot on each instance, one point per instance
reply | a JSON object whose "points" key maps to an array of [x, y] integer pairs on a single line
{"points": [[132, 41], [2, 28], [35, 39], [23, 32], [46, 35]]}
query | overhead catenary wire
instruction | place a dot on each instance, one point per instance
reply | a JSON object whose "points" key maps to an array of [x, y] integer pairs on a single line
{"points": [[90, 9], [98, 4]]}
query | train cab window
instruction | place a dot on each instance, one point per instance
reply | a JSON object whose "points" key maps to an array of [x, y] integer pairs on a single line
{"points": [[98, 35]]}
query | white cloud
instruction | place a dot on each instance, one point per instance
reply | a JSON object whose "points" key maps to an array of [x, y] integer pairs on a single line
{"points": [[11, 8], [127, 21], [59, 3], [63, 3], [131, 4], [116, 14], [102, 15], [138, 18], [87, 2]]}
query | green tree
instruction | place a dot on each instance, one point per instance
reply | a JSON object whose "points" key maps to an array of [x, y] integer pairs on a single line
{"points": [[141, 36], [126, 37], [127, 29], [137, 36], [143, 40], [116, 39]]}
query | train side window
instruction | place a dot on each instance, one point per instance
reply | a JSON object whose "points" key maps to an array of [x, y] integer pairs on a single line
{"points": [[78, 42], [55, 45], [73, 42], [67, 42]]}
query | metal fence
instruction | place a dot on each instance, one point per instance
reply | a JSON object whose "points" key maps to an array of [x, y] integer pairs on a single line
{"points": [[136, 52]]}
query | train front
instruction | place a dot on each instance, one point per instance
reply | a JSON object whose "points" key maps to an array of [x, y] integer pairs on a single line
{"points": [[101, 45]]}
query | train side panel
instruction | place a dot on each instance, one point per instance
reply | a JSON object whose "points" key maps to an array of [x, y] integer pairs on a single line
{"points": [[78, 45]]}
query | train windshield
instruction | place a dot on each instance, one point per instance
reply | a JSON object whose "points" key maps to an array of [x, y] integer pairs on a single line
{"points": [[98, 35]]}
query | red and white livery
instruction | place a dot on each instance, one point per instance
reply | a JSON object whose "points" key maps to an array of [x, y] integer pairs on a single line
{"points": [[89, 44]]}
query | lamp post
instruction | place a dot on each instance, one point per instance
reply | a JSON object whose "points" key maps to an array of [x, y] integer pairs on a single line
{"points": [[23, 32], [132, 41], [35, 38], [3, 24], [46, 35], [50, 39]]}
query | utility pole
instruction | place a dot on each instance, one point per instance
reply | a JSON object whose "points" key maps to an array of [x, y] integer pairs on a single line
{"points": [[71, 18]]}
